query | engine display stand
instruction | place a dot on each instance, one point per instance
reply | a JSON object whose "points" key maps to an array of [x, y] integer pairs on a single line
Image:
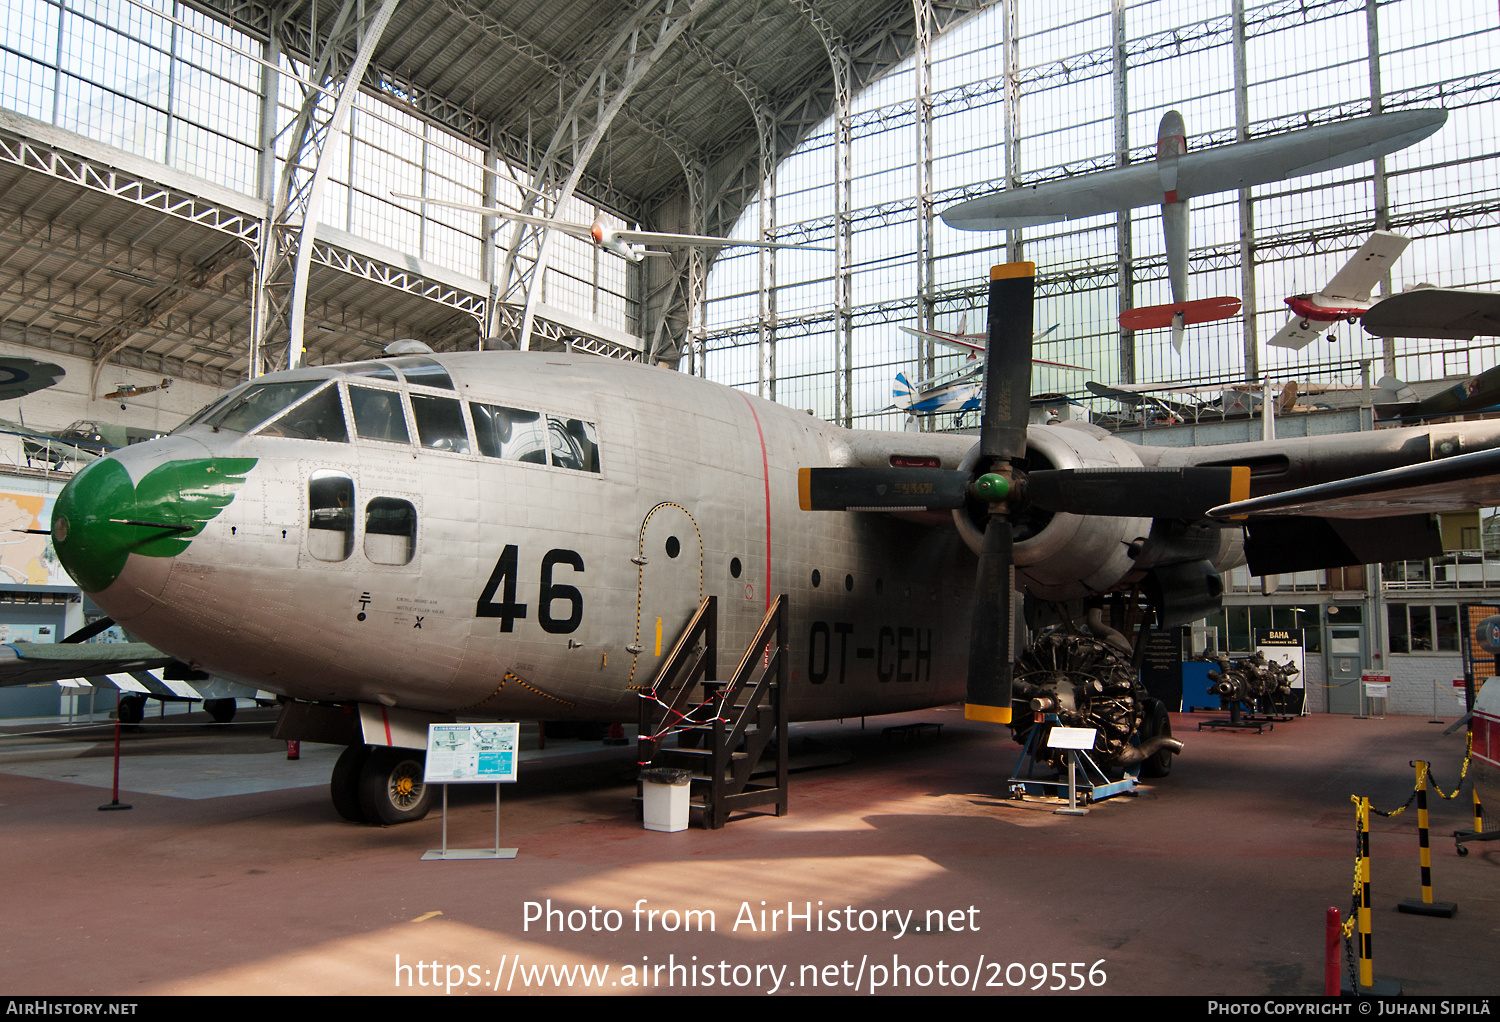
{"points": [[1092, 783], [1234, 720]]}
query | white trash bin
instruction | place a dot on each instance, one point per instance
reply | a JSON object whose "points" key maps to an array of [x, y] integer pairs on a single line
{"points": [[664, 798]]}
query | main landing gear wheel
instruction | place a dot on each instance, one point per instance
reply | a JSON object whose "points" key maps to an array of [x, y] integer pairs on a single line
{"points": [[391, 789], [344, 785], [220, 710], [132, 708]]}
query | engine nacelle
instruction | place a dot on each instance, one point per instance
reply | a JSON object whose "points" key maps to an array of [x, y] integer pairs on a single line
{"points": [[1061, 556]]}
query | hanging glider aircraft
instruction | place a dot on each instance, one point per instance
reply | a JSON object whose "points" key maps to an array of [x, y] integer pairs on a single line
{"points": [[521, 535], [1176, 176], [625, 244], [1346, 296]]}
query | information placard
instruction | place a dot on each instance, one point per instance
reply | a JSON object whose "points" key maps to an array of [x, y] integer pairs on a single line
{"points": [[472, 753]]}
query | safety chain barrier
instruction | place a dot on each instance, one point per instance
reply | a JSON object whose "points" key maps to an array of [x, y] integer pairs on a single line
{"points": [[1359, 908]]}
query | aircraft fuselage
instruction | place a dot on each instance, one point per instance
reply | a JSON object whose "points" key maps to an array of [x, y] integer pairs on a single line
{"points": [[428, 574]]}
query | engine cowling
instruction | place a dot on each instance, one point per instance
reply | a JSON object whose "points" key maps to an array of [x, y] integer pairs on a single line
{"points": [[1060, 556]]}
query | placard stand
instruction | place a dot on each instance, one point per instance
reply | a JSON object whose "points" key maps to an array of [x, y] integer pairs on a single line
{"points": [[470, 853], [468, 754]]}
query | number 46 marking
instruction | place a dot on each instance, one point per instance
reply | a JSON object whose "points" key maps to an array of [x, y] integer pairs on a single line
{"points": [[503, 581]]}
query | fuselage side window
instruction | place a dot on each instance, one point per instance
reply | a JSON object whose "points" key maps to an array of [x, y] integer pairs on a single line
{"points": [[510, 433], [440, 423], [575, 444], [320, 417], [378, 414], [330, 515], [390, 531]]}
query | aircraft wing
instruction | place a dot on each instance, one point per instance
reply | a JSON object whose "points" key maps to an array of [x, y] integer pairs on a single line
{"points": [[1363, 271], [964, 342], [584, 231], [26, 663], [1460, 483], [20, 376], [704, 241], [1220, 169], [1436, 312], [1296, 336]]}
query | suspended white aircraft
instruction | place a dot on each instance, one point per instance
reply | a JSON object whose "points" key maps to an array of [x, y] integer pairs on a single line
{"points": [[1176, 176], [626, 244], [522, 535], [1346, 296]]}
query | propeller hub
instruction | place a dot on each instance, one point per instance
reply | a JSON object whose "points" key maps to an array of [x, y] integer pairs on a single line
{"points": [[992, 487]]}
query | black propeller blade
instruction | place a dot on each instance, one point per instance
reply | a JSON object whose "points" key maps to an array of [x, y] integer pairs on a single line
{"points": [[1136, 492], [881, 489], [1002, 441]]}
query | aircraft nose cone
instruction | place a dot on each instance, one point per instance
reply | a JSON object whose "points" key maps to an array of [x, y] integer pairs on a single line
{"points": [[104, 514], [89, 544]]}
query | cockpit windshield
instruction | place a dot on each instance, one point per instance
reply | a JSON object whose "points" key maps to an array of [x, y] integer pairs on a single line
{"points": [[247, 409]]}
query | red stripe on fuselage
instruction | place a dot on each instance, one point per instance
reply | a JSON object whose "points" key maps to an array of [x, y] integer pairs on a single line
{"points": [[765, 471]]}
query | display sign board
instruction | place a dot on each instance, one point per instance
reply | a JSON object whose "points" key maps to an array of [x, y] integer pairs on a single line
{"points": [[1072, 737], [1161, 667], [472, 753], [1285, 646]]}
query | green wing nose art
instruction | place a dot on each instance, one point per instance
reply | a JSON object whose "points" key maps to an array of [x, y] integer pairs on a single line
{"points": [[101, 517]]}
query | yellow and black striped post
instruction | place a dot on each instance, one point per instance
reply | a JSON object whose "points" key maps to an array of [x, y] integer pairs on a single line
{"points": [[1478, 814], [1425, 907], [1366, 943]]}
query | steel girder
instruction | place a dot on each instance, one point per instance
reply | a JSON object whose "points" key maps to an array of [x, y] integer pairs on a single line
{"points": [[281, 291], [639, 44]]}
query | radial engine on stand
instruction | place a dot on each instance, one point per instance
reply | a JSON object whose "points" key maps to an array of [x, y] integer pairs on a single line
{"points": [[1090, 681]]}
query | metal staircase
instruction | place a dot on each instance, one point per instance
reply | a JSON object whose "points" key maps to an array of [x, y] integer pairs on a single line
{"points": [[721, 729]]}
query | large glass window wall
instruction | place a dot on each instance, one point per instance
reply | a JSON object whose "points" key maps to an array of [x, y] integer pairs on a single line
{"points": [[1308, 62]]}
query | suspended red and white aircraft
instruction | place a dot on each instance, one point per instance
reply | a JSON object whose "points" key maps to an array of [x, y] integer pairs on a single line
{"points": [[1346, 296], [626, 244], [1176, 176]]}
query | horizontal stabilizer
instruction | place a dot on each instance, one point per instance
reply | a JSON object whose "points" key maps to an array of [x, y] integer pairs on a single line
{"points": [[880, 489]]}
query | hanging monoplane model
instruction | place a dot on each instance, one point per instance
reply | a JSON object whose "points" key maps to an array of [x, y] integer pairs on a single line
{"points": [[957, 390], [1346, 296], [1176, 176], [625, 244]]}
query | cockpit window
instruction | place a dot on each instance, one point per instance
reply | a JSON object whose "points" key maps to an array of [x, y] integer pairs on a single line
{"points": [[255, 404], [510, 433], [575, 444], [320, 417], [378, 414], [374, 370], [440, 423], [422, 371]]}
